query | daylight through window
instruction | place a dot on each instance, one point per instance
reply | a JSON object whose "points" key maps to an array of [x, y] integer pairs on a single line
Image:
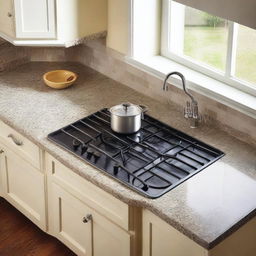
{"points": [[209, 44]]}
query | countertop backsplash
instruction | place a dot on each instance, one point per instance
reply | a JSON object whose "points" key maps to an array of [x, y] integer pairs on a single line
{"points": [[96, 55], [12, 56]]}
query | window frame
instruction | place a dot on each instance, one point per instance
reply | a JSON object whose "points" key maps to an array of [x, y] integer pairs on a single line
{"points": [[227, 76]]}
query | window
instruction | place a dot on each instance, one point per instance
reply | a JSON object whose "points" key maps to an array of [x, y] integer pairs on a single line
{"points": [[209, 44], [246, 54], [205, 38]]}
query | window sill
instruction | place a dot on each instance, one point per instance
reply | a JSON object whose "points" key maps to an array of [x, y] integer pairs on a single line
{"points": [[198, 82]]}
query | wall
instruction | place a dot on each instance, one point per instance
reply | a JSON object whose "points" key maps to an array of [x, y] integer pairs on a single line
{"points": [[118, 29], [111, 63], [11, 56]]}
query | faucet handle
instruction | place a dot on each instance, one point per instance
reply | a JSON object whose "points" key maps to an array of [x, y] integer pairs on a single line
{"points": [[195, 111], [188, 110], [191, 112]]}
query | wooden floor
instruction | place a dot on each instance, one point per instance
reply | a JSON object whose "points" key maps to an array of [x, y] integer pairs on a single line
{"points": [[20, 237]]}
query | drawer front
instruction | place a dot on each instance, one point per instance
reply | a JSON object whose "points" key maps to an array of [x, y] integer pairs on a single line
{"points": [[101, 201], [23, 186], [21, 145]]}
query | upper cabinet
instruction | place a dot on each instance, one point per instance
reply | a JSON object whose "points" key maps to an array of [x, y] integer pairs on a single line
{"points": [[35, 19], [51, 22], [7, 18]]}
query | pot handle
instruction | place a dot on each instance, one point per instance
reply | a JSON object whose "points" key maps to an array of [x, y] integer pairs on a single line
{"points": [[144, 110]]}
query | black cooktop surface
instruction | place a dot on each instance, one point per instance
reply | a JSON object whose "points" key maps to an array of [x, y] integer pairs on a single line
{"points": [[152, 161]]}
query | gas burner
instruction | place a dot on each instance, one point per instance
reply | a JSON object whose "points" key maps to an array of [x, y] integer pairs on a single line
{"points": [[152, 161]]}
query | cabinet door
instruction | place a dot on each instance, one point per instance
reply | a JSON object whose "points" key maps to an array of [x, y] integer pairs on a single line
{"points": [[7, 18], [160, 239], [83, 230], [1, 171], [35, 19], [23, 186]]}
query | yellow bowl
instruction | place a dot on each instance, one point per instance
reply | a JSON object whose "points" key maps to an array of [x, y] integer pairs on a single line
{"points": [[59, 79]]}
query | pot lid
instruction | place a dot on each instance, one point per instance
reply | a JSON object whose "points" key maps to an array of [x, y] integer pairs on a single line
{"points": [[126, 109]]}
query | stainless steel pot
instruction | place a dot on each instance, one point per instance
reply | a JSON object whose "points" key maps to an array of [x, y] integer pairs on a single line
{"points": [[126, 117]]}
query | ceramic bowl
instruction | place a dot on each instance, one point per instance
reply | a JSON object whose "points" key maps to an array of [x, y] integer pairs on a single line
{"points": [[59, 79]]}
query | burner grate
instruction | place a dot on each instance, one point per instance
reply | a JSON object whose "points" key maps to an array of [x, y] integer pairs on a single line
{"points": [[152, 161]]}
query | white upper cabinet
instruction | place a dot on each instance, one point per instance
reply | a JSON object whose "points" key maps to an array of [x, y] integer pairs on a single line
{"points": [[35, 19], [51, 22]]}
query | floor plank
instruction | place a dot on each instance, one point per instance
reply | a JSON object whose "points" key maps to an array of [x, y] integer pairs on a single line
{"points": [[20, 237]]}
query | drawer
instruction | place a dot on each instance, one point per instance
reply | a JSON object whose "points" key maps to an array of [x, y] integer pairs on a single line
{"points": [[101, 201], [21, 145], [23, 186]]}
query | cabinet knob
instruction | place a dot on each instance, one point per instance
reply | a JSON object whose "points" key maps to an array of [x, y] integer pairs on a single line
{"points": [[87, 218], [1, 151], [9, 14]]}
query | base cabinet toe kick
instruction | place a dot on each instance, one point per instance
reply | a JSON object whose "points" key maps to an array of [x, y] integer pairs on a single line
{"points": [[88, 220]]}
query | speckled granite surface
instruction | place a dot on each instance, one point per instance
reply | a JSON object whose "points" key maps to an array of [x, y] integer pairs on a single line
{"points": [[206, 208]]}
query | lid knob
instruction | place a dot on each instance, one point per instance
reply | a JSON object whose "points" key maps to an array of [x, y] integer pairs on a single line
{"points": [[126, 105]]}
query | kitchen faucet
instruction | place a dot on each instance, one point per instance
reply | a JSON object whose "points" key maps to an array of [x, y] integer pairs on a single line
{"points": [[191, 109]]}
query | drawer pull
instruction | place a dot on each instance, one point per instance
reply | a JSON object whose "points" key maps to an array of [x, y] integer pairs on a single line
{"points": [[1, 151], [16, 141], [87, 218]]}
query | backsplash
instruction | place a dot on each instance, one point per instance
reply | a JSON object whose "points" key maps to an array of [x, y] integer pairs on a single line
{"points": [[11, 56], [112, 64]]}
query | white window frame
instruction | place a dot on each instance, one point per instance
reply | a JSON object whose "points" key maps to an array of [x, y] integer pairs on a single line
{"points": [[227, 77]]}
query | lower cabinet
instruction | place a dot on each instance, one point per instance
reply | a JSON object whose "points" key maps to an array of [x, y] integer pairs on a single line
{"points": [[1, 171], [23, 186], [160, 239], [83, 230], [90, 221]]}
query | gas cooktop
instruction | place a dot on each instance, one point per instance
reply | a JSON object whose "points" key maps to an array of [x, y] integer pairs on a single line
{"points": [[152, 161]]}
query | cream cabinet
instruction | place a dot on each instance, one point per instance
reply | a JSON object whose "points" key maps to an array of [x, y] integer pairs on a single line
{"points": [[51, 22], [85, 218], [7, 26], [21, 178], [1, 171], [84, 230], [160, 239], [23, 186]]}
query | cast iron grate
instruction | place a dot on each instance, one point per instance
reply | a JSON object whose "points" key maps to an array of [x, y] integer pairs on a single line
{"points": [[152, 161]]}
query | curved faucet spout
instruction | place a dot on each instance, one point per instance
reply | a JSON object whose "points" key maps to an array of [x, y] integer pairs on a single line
{"points": [[191, 109], [165, 86]]}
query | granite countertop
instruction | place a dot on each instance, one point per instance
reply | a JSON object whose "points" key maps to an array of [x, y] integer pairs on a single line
{"points": [[207, 207]]}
